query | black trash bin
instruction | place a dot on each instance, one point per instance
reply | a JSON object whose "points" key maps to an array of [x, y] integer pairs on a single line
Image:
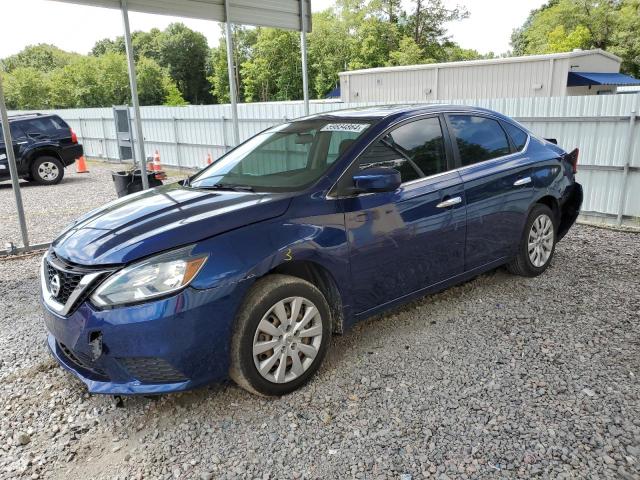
{"points": [[130, 181]]}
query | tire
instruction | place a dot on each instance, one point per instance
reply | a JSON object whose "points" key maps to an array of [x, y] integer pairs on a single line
{"points": [[258, 312], [47, 170], [531, 264]]}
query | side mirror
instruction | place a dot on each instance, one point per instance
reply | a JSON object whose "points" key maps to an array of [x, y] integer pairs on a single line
{"points": [[376, 179]]}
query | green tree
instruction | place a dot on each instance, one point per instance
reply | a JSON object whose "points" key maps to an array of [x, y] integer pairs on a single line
{"points": [[560, 41], [42, 57], [426, 24], [26, 88], [185, 54], [329, 49], [562, 25], [104, 81], [274, 72], [244, 40], [626, 38], [408, 53]]}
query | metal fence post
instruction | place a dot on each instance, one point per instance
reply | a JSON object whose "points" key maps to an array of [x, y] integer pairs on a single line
{"points": [[103, 140], [176, 140], [627, 164], [13, 169], [224, 134], [80, 129]]}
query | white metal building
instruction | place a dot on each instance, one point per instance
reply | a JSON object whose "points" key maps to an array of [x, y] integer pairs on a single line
{"points": [[588, 72]]}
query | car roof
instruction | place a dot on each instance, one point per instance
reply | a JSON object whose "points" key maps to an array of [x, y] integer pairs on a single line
{"points": [[29, 116], [380, 112]]}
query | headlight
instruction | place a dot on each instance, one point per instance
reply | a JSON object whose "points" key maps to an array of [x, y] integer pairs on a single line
{"points": [[154, 277]]}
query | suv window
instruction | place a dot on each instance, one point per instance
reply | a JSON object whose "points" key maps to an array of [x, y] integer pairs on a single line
{"points": [[415, 149], [518, 136], [478, 138], [42, 125], [16, 133]]}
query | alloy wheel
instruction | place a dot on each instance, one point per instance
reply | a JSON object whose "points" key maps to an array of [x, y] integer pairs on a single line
{"points": [[287, 339], [541, 238], [48, 171]]}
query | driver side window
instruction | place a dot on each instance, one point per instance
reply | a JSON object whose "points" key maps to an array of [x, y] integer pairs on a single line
{"points": [[415, 149]]}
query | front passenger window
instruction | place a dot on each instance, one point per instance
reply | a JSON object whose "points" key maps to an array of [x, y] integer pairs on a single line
{"points": [[415, 149]]}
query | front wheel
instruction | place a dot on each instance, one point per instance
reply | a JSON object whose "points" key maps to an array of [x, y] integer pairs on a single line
{"points": [[282, 333], [537, 245]]}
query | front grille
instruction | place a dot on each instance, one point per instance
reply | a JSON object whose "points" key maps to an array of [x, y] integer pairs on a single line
{"points": [[73, 280], [151, 370], [83, 361], [68, 282]]}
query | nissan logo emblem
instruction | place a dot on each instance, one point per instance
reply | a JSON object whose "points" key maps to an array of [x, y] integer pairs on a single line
{"points": [[55, 285]]}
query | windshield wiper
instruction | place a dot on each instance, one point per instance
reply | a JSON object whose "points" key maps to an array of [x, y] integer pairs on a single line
{"points": [[226, 186]]}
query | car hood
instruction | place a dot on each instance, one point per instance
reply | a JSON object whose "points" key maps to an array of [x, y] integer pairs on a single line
{"points": [[155, 220]]}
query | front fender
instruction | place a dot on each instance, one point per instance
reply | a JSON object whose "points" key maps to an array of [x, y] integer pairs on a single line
{"points": [[248, 253]]}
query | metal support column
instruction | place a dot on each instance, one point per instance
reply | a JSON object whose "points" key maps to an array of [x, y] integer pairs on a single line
{"points": [[627, 164], [303, 50], [13, 169], [233, 90], [133, 82]]}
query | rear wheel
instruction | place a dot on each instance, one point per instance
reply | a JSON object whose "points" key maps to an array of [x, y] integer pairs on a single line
{"points": [[47, 170], [538, 243], [281, 337]]}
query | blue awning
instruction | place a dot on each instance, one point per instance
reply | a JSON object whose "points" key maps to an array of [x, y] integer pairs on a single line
{"points": [[335, 93], [581, 79]]}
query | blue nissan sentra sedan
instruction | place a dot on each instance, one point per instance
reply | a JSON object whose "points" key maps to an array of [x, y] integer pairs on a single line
{"points": [[246, 269]]}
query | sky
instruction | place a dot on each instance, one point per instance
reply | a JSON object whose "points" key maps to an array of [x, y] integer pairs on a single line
{"points": [[76, 28]]}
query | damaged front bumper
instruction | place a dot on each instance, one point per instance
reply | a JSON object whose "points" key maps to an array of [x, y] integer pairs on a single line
{"points": [[169, 345]]}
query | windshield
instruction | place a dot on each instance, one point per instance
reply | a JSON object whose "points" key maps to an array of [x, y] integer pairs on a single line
{"points": [[285, 158]]}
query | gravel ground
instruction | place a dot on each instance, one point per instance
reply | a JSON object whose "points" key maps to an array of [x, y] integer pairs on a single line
{"points": [[500, 377], [48, 209]]}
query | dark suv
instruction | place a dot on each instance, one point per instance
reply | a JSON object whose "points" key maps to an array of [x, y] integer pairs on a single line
{"points": [[44, 145]]}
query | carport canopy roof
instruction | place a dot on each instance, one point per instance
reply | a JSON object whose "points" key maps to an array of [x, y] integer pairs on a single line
{"points": [[285, 14]]}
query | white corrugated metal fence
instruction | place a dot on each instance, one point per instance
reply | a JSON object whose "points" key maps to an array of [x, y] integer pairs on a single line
{"points": [[603, 127]]}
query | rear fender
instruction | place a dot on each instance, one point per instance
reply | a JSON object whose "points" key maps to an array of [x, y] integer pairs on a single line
{"points": [[39, 150]]}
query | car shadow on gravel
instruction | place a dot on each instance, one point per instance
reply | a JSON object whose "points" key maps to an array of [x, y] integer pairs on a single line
{"points": [[367, 329], [7, 185], [344, 349]]}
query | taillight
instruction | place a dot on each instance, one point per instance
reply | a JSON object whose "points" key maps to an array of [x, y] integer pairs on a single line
{"points": [[573, 159], [74, 137]]}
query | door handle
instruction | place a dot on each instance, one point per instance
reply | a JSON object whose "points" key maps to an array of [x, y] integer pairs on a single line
{"points": [[449, 202], [522, 181]]}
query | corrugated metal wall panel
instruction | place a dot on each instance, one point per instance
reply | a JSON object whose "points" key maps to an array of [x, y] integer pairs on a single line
{"points": [[200, 130]]}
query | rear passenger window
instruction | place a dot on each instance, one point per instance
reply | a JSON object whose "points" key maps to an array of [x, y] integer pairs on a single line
{"points": [[518, 136], [478, 138], [43, 125], [415, 149]]}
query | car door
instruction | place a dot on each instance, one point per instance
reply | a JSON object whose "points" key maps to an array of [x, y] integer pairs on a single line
{"points": [[406, 240], [497, 186], [19, 141]]}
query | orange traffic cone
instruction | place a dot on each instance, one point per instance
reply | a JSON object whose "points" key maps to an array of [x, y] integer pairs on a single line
{"points": [[81, 165], [209, 159], [157, 167]]}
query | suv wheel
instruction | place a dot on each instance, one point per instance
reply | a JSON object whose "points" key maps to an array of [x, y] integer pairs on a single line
{"points": [[47, 170], [281, 335], [537, 245]]}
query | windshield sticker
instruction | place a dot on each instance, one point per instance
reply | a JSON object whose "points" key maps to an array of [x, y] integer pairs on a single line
{"points": [[345, 127]]}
